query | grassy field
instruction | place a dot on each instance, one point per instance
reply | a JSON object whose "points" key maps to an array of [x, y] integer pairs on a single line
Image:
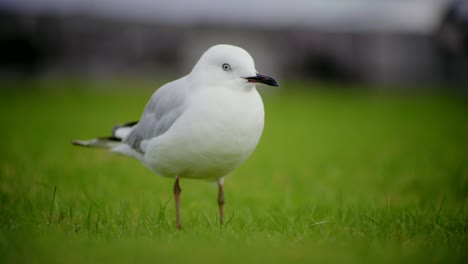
{"points": [[339, 176]]}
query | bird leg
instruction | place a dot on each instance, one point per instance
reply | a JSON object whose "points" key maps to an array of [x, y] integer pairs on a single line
{"points": [[177, 191], [221, 200]]}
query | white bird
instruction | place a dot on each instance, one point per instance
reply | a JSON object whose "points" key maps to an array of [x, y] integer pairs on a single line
{"points": [[201, 126]]}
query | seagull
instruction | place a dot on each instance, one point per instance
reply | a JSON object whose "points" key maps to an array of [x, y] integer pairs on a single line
{"points": [[201, 126]]}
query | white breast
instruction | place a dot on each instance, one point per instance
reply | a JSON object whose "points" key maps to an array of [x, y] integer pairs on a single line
{"points": [[217, 132]]}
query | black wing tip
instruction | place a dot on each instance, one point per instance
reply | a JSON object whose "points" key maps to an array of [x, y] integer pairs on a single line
{"points": [[111, 138], [128, 124]]}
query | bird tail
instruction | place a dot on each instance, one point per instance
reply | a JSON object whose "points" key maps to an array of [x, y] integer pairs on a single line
{"points": [[118, 134], [102, 142]]}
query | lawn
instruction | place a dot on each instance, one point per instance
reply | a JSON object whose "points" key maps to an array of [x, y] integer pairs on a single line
{"points": [[339, 176]]}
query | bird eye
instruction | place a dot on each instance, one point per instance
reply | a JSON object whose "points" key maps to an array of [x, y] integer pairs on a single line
{"points": [[226, 67]]}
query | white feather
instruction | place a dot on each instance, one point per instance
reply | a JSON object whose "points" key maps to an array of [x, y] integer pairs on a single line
{"points": [[202, 125], [123, 132]]}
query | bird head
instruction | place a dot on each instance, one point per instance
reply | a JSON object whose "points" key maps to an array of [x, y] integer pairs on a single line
{"points": [[229, 65]]}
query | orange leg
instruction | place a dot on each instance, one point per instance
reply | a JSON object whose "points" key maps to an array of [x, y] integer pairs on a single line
{"points": [[177, 191], [221, 201]]}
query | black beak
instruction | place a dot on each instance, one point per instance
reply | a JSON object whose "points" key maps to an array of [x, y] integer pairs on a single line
{"points": [[260, 78]]}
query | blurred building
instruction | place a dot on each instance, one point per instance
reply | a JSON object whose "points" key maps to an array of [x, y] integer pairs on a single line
{"points": [[402, 42]]}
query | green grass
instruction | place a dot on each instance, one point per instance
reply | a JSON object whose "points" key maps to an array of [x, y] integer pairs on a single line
{"points": [[339, 176]]}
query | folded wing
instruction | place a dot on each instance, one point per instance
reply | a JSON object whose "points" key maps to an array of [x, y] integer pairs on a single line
{"points": [[164, 108]]}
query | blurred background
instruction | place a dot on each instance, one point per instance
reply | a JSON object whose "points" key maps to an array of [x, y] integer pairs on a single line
{"points": [[384, 43], [365, 144]]}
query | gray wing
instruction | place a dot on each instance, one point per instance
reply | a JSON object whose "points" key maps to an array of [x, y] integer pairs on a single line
{"points": [[164, 108]]}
